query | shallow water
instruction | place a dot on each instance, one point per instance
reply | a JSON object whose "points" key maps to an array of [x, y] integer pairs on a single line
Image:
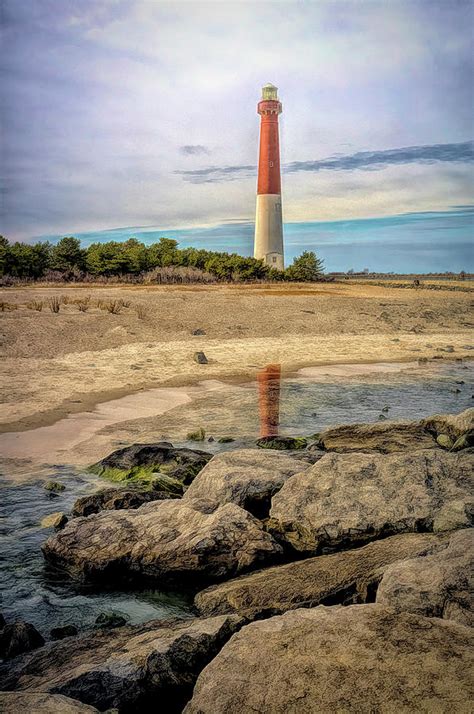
{"points": [[305, 403]]}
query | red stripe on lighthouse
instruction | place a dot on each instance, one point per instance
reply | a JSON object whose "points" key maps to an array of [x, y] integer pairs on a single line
{"points": [[269, 180]]}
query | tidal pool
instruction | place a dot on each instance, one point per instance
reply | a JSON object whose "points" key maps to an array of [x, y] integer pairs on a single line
{"points": [[302, 404]]}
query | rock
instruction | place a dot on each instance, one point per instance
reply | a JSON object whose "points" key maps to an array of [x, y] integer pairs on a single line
{"points": [[282, 443], [444, 441], [438, 585], [166, 540], [131, 668], [108, 620], [384, 436], [198, 435], [114, 499], [54, 486], [464, 441], [246, 477], [18, 637], [200, 358], [362, 658], [454, 425], [198, 332], [341, 578], [225, 440], [392, 436], [59, 633], [347, 499], [141, 462], [42, 703], [55, 520]]}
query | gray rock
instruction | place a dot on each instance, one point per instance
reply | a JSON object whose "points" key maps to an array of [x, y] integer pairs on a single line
{"points": [[438, 585], [42, 703], [391, 436], [199, 331], [282, 443], [362, 658], [346, 499], [127, 667], [341, 578], [18, 637], [200, 358], [59, 633], [114, 499], [246, 477], [166, 540]]}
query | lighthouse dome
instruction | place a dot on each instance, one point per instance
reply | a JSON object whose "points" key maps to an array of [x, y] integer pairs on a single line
{"points": [[269, 91]]}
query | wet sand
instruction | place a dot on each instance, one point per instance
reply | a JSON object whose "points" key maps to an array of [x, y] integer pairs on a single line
{"points": [[55, 365]]}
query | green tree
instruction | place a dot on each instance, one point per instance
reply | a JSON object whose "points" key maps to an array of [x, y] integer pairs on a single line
{"points": [[27, 261], [305, 268], [135, 256], [4, 254], [106, 258], [67, 254], [163, 253]]}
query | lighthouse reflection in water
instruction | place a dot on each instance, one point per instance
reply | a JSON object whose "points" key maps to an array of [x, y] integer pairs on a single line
{"points": [[268, 380]]}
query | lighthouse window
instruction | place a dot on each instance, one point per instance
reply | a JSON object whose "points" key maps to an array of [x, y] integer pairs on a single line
{"points": [[271, 164]]}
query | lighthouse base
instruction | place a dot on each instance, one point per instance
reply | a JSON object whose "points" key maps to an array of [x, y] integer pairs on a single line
{"points": [[269, 231]]}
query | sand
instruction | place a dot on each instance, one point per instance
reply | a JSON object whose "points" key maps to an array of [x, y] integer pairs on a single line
{"points": [[54, 365]]}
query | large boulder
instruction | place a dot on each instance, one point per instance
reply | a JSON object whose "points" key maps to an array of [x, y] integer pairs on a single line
{"points": [[167, 540], [143, 463], [115, 499], [247, 477], [41, 703], [391, 436], [18, 637], [129, 668], [362, 658], [346, 499], [341, 578], [384, 436], [438, 585]]}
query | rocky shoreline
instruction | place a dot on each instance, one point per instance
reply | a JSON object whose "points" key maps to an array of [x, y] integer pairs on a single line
{"points": [[331, 574]]}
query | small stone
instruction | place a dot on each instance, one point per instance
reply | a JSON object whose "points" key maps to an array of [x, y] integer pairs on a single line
{"points": [[55, 520], [54, 486], [59, 633], [382, 417], [385, 409], [225, 440], [199, 331], [211, 439], [200, 358], [464, 441], [282, 443], [455, 391], [444, 441], [422, 360], [460, 381], [108, 620], [17, 638]]}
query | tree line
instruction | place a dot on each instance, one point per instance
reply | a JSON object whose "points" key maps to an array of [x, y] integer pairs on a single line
{"points": [[131, 257]]}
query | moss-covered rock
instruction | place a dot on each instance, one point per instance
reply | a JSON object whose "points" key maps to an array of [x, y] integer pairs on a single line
{"points": [[149, 464], [444, 441], [464, 441], [54, 486], [282, 443]]}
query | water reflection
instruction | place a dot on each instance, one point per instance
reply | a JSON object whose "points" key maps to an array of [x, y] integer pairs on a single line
{"points": [[269, 380]]}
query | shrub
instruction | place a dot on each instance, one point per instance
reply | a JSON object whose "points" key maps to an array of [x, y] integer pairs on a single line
{"points": [[54, 304], [114, 307], [141, 310], [84, 304], [35, 305], [198, 435]]}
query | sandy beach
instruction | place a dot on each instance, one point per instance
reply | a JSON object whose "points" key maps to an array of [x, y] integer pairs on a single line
{"points": [[59, 364]]}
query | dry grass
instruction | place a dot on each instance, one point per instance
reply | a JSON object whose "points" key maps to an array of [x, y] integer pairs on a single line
{"points": [[54, 303], [35, 305], [141, 310]]}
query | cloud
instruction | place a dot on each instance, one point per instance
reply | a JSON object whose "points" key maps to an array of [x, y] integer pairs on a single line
{"points": [[194, 149], [364, 160]]}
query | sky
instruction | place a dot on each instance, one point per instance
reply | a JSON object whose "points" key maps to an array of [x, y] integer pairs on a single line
{"points": [[139, 113]]}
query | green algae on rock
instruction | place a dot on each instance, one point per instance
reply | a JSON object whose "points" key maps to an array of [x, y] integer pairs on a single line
{"points": [[160, 466]]}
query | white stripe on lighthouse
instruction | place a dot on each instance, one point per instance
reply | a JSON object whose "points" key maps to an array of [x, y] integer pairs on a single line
{"points": [[269, 230]]}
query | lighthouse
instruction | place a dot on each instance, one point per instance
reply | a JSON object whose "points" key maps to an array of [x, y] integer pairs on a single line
{"points": [[268, 222]]}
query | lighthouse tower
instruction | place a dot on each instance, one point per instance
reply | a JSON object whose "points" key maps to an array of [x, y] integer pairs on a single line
{"points": [[268, 223]]}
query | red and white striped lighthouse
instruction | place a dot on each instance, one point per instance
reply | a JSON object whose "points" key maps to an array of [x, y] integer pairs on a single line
{"points": [[268, 223]]}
